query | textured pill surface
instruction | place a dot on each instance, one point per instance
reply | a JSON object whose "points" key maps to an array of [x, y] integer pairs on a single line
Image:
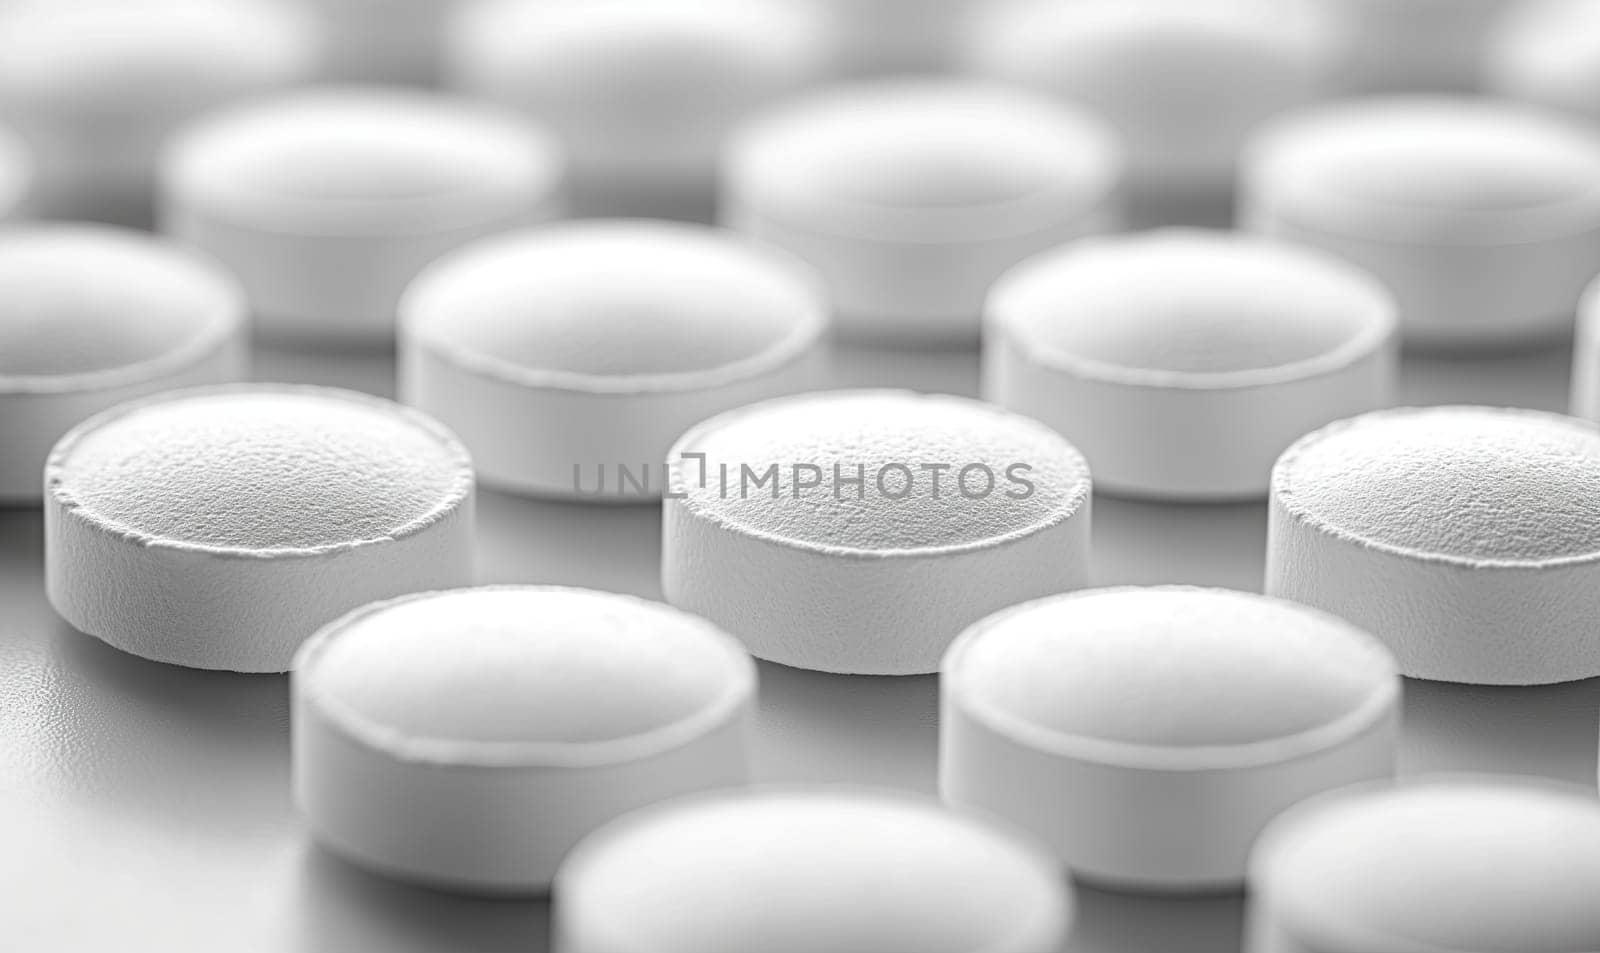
{"points": [[793, 871], [1441, 863]]}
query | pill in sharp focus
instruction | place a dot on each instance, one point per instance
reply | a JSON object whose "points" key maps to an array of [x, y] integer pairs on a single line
{"points": [[643, 92], [219, 528], [1548, 52], [1148, 734], [1483, 217], [569, 358], [912, 196], [860, 531], [97, 86], [327, 203], [797, 870], [91, 316], [1466, 538], [1182, 363], [1184, 84], [1439, 862], [469, 739]]}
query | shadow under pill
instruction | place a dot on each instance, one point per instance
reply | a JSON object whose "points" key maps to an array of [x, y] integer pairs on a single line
{"points": [[1538, 378], [369, 370], [1543, 731], [859, 729], [140, 737], [1142, 543], [612, 547], [344, 909], [1114, 922]]}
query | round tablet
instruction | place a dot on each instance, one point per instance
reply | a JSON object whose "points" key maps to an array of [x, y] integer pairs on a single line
{"points": [[219, 528], [1548, 52], [795, 870], [1467, 538], [1184, 84], [97, 86], [860, 531], [383, 41], [1147, 735], [1489, 864], [91, 316], [16, 175], [569, 358], [327, 203], [643, 92], [1183, 362], [469, 739], [913, 196], [1412, 45], [1483, 217]]}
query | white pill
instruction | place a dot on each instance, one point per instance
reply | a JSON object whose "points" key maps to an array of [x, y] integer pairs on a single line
{"points": [[1482, 217], [913, 196], [1467, 538], [1548, 52], [570, 358], [1413, 45], [1147, 735], [643, 92], [91, 316], [1184, 84], [887, 37], [1459, 863], [1182, 363], [383, 41], [469, 739], [860, 531], [16, 175], [799, 870], [97, 86], [219, 528], [328, 203]]}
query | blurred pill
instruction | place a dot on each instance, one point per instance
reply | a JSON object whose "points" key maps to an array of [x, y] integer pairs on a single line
{"points": [[1182, 363], [1147, 735], [1436, 863], [96, 87], [91, 316], [569, 358], [16, 175], [882, 37], [1482, 217], [912, 196], [800, 870], [327, 203], [643, 92], [1184, 84], [468, 739], [1466, 538], [860, 531], [1548, 52], [383, 41], [219, 528]]}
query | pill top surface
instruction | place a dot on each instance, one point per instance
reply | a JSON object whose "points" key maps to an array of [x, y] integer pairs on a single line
{"points": [[363, 160], [786, 871], [162, 54], [1169, 676], [260, 470], [1191, 308], [523, 674], [1476, 864], [1467, 485], [617, 306], [1437, 169], [903, 156], [894, 435], [91, 306]]}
